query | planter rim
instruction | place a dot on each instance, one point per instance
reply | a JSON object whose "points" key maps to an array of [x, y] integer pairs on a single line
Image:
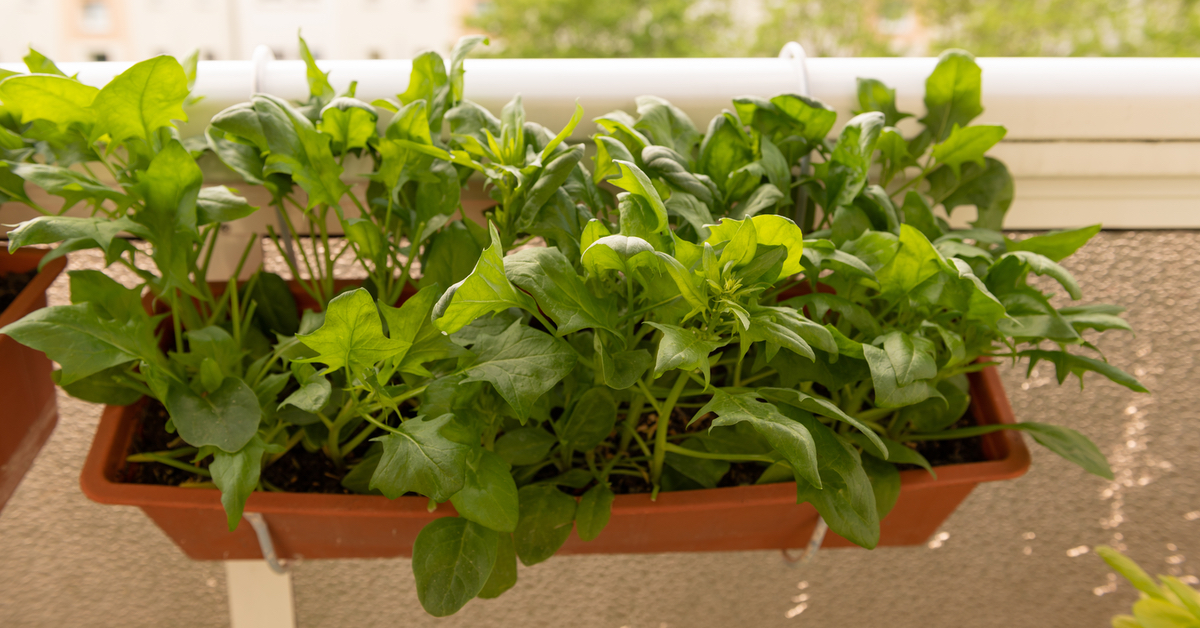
{"points": [[24, 260], [106, 455]]}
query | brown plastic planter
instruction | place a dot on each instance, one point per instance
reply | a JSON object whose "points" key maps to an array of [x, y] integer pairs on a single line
{"points": [[723, 519], [28, 412]]}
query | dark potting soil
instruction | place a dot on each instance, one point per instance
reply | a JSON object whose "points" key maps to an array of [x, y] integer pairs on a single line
{"points": [[11, 284], [302, 471]]}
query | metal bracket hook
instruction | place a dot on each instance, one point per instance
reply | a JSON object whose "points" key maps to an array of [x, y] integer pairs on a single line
{"points": [[265, 543], [814, 544]]}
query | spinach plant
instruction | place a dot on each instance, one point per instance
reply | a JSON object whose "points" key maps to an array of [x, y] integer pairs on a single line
{"points": [[756, 303], [1169, 603]]}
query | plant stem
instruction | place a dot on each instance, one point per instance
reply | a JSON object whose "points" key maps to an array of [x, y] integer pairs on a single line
{"points": [[167, 460], [684, 451], [660, 434]]}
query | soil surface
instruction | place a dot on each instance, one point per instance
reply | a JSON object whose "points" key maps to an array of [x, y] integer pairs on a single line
{"points": [[11, 285], [301, 471]]}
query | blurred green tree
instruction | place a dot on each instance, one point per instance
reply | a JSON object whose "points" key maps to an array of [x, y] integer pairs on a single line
{"points": [[608, 28]]}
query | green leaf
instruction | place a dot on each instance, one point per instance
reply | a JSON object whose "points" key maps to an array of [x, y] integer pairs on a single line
{"points": [[72, 186], [634, 181], [846, 172], [367, 236], [967, 144], [522, 364], [885, 482], [846, 497], [484, 291], [1066, 364], [1071, 445], [350, 122], [685, 280], [220, 204], [823, 407], [595, 508], [525, 446], [452, 560], [666, 125], [1159, 614], [296, 148], [489, 494], [1056, 245], [952, 93], [1187, 595], [789, 437], [888, 392], [725, 148], [314, 390], [83, 340], [912, 357], [61, 100], [1131, 571], [276, 309], [590, 422], [989, 189], [236, 475], [51, 229], [682, 349], [1042, 265], [352, 335], [319, 88], [422, 456], [504, 573], [620, 369], [546, 517], [141, 100], [546, 274], [38, 63], [691, 472], [934, 414], [873, 95], [770, 230], [624, 254], [915, 261], [226, 418], [549, 180]]}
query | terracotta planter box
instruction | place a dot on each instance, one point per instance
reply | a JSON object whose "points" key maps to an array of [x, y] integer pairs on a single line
{"points": [[29, 411], [723, 519]]}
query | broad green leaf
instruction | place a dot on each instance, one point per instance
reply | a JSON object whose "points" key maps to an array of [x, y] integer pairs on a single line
{"points": [[590, 422], [368, 237], [522, 364], [690, 472], [686, 281], [319, 88], [109, 296], [485, 290], [462, 48], [72, 186], [934, 414], [634, 181], [915, 261], [989, 189], [621, 253], [1042, 265], [725, 148], [560, 292], [952, 93], [1131, 571], [683, 349], [1151, 613], [350, 122], [846, 172], [666, 125], [620, 369], [103, 387], [595, 508], [38, 63], [169, 189], [226, 418], [846, 498], [823, 407], [61, 100], [525, 446], [1187, 595], [449, 256], [787, 436], [352, 335], [504, 573], [141, 100], [1070, 444], [314, 390], [1056, 245], [452, 560], [411, 324], [967, 144], [609, 150], [296, 148], [912, 357], [549, 180], [83, 340], [885, 483], [546, 517], [422, 456], [873, 95], [51, 229], [236, 475], [220, 204], [275, 310], [489, 494], [888, 393]]}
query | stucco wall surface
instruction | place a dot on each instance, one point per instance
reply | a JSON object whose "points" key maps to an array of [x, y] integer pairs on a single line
{"points": [[1010, 556]]}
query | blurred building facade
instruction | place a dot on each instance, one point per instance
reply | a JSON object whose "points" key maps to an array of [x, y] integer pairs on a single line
{"points": [[129, 30]]}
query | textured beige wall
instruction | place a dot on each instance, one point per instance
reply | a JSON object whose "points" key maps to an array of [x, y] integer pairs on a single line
{"points": [[1005, 562]]}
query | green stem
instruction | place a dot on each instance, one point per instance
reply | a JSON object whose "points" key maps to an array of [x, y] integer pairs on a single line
{"points": [[966, 432], [684, 451], [660, 434], [169, 462]]}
